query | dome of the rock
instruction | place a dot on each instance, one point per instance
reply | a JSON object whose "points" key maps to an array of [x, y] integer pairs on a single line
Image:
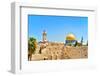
{"points": [[70, 37]]}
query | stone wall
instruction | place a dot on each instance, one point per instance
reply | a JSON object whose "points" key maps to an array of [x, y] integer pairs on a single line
{"points": [[55, 51]]}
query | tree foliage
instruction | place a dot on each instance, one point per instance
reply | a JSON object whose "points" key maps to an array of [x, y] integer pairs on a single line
{"points": [[75, 43], [32, 45], [87, 43], [82, 40]]}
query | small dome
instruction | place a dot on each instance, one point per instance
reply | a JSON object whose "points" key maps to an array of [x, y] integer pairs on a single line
{"points": [[70, 37]]}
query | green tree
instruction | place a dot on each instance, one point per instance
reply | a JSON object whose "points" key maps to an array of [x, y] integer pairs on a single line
{"points": [[82, 40], [75, 43], [32, 44], [87, 43]]}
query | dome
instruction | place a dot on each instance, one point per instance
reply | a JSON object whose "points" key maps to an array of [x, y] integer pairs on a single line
{"points": [[70, 37]]}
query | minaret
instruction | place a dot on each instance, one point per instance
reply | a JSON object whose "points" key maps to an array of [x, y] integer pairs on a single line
{"points": [[44, 36]]}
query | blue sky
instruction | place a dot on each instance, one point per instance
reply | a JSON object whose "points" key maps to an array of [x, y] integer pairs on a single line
{"points": [[57, 27]]}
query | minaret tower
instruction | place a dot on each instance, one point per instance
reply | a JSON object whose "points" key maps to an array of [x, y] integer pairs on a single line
{"points": [[44, 36]]}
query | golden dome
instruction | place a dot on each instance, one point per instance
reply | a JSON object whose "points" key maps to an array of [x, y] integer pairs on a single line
{"points": [[70, 37]]}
